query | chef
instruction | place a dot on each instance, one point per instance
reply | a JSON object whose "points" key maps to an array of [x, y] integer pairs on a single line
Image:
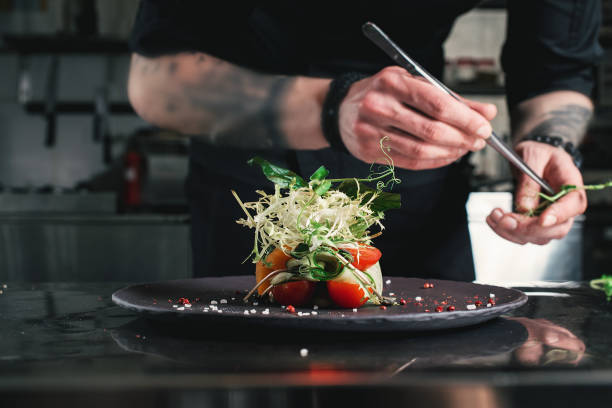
{"points": [[298, 84]]}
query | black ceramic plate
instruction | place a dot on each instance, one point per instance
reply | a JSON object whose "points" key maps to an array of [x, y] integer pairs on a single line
{"points": [[219, 300]]}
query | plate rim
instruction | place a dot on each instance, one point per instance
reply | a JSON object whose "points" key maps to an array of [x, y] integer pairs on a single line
{"points": [[350, 321]]}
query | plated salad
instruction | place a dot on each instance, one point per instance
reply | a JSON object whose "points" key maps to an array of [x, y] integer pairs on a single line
{"points": [[313, 239]]}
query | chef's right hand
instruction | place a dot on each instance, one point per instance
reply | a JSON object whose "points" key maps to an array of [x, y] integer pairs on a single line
{"points": [[426, 128]]}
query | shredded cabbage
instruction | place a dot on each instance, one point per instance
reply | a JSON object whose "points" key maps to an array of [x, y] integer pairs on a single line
{"points": [[290, 217]]}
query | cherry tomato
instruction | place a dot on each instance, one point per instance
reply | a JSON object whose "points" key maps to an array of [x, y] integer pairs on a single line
{"points": [[277, 260], [345, 294], [293, 293], [368, 256]]}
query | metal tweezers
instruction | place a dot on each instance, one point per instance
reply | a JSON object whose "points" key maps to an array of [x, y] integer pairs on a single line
{"points": [[378, 37]]}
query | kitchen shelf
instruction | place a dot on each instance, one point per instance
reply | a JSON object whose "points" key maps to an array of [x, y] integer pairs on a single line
{"points": [[62, 44], [77, 107]]}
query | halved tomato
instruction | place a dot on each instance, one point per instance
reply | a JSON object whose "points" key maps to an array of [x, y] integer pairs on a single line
{"points": [[364, 257], [276, 260], [293, 293], [346, 294]]}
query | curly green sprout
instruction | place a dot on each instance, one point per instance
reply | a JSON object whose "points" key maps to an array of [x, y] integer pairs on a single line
{"points": [[566, 189]]}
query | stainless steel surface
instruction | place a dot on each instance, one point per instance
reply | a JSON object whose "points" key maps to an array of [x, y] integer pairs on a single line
{"points": [[74, 202], [85, 248], [378, 37]]}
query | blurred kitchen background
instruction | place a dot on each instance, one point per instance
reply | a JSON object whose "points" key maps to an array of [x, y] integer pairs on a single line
{"points": [[90, 192]]}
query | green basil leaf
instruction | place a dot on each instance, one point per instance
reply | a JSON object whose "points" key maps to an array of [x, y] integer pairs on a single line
{"points": [[283, 177], [386, 201], [359, 228], [383, 202], [320, 173]]}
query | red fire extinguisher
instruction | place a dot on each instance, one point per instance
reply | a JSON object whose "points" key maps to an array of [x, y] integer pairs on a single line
{"points": [[133, 179]]}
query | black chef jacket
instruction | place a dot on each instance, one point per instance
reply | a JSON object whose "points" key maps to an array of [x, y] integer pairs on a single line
{"points": [[550, 45]]}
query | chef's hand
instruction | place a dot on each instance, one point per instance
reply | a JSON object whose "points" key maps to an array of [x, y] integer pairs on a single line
{"points": [[426, 128], [563, 345], [555, 166]]}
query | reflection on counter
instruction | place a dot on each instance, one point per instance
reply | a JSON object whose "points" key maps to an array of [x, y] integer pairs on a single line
{"points": [[71, 337]]}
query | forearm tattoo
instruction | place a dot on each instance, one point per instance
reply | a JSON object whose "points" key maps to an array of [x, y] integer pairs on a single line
{"points": [[568, 122], [229, 106]]}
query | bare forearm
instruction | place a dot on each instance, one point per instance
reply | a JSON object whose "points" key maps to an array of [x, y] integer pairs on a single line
{"points": [[565, 114], [200, 95]]}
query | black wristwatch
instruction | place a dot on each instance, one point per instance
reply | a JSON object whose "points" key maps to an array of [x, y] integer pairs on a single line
{"points": [[558, 142]]}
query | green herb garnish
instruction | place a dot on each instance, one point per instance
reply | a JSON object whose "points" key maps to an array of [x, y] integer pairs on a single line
{"points": [[565, 189], [312, 221], [604, 283]]}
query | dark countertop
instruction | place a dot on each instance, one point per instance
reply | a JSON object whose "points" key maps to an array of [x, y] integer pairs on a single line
{"points": [[67, 343]]}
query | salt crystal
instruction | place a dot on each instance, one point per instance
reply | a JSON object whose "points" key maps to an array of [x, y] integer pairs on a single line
{"points": [[219, 311], [246, 312], [175, 306], [388, 281], [391, 294], [304, 352], [265, 312], [491, 295], [314, 313], [223, 301], [354, 309], [187, 304], [471, 307], [180, 308], [488, 305], [418, 299], [213, 302], [4, 286], [255, 303], [300, 313], [316, 307], [253, 311], [233, 298], [306, 314]]}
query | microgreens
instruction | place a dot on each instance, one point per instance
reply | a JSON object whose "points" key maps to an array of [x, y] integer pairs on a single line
{"points": [[604, 283], [565, 189]]}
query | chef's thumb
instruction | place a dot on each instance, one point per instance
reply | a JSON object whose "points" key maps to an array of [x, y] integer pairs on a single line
{"points": [[527, 194]]}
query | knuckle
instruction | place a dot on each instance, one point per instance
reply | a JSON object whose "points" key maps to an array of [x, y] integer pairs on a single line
{"points": [[431, 131], [387, 80], [371, 104], [437, 106], [418, 150], [388, 77]]}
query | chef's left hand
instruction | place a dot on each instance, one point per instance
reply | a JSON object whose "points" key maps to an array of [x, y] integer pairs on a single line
{"points": [[557, 168], [563, 345]]}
